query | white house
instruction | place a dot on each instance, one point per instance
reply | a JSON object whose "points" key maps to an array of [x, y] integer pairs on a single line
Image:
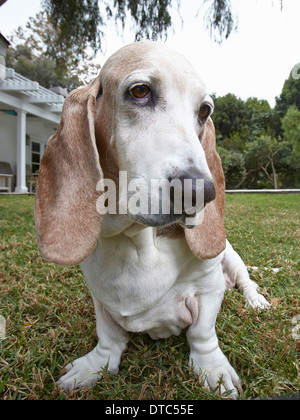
{"points": [[29, 115]]}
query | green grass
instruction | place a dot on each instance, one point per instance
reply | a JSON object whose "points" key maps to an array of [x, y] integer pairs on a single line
{"points": [[50, 316]]}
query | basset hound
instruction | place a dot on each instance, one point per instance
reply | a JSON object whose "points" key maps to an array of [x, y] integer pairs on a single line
{"points": [[146, 117]]}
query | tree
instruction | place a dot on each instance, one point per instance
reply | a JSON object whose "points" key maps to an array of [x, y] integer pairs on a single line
{"points": [[40, 69], [261, 157], [32, 54], [229, 115], [259, 117], [81, 23], [233, 164], [220, 20], [290, 95], [291, 128]]}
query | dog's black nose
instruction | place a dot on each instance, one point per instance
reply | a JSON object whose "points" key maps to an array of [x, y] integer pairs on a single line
{"points": [[190, 188]]}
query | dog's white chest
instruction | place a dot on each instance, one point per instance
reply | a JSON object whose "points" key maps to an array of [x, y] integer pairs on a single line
{"points": [[147, 283]]}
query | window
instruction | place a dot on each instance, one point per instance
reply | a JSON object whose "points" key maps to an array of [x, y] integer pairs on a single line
{"points": [[35, 157]]}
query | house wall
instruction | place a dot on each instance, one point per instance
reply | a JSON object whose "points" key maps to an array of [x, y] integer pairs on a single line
{"points": [[3, 48], [3, 45], [37, 130], [2, 67], [8, 139]]}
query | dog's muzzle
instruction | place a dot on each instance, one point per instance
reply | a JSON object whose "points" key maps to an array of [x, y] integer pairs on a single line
{"points": [[177, 199]]}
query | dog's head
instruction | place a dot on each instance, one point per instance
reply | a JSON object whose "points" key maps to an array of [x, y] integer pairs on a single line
{"points": [[147, 115]]}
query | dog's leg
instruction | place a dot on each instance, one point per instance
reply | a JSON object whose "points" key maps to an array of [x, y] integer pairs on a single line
{"points": [[236, 275], [85, 371], [206, 357]]}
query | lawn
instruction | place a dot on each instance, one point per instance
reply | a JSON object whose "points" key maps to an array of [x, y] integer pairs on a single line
{"points": [[50, 317]]}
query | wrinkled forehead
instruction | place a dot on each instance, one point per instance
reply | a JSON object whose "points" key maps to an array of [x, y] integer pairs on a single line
{"points": [[152, 60]]}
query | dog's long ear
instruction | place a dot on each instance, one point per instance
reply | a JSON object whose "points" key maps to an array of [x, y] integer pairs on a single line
{"points": [[67, 221], [207, 239]]}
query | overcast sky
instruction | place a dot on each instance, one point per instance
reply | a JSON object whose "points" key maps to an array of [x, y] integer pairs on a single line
{"points": [[254, 61]]}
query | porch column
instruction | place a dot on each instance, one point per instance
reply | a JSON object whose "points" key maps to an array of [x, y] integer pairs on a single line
{"points": [[21, 152]]}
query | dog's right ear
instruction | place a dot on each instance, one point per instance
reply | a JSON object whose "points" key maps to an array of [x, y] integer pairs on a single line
{"points": [[207, 240], [67, 222]]}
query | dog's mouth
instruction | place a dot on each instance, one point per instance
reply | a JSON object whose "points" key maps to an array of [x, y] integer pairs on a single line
{"points": [[162, 211], [158, 202], [185, 220], [177, 200]]}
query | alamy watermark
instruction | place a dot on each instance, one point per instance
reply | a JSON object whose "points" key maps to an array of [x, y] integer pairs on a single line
{"points": [[296, 71], [155, 197], [296, 328]]}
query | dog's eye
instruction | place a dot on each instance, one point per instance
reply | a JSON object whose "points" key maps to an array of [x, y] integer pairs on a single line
{"points": [[139, 91], [204, 111]]}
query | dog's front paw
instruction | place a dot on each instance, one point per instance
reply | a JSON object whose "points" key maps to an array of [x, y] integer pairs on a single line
{"points": [[257, 301], [253, 298], [223, 379], [215, 372], [79, 374]]}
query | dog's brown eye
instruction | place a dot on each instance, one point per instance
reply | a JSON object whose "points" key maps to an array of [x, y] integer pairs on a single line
{"points": [[204, 111], [139, 91]]}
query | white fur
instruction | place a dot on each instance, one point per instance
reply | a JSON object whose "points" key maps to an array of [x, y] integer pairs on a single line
{"points": [[141, 283]]}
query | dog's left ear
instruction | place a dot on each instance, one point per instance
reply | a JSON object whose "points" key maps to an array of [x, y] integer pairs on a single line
{"points": [[67, 222], [207, 240]]}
